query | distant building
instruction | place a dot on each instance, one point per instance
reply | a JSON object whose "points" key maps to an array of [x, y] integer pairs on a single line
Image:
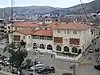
{"points": [[2, 27]]}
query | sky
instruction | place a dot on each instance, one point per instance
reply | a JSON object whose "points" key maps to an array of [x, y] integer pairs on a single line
{"points": [[53, 3]]}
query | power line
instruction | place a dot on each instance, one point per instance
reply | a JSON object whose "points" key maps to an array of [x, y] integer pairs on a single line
{"points": [[85, 13]]}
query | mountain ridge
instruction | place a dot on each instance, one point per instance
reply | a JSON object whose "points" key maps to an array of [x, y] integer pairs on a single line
{"points": [[90, 7]]}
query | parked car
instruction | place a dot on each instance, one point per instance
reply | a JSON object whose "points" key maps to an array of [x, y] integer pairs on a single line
{"points": [[46, 70], [7, 63], [53, 69], [14, 70], [36, 67], [97, 67], [26, 66], [1, 61], [97, 50], [91, 51], [37, 61]]}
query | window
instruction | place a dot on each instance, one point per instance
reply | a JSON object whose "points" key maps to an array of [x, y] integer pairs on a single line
{"points": [[68, 32], [42, 46], [34, 46], [74, 41], [74, 50], [17, 37], [58, 48], [49, 47], [34, 37], [66, 49], [58, 31], [74, 32], [49, 38], [58, 39], [43, 38], [23, 37]]}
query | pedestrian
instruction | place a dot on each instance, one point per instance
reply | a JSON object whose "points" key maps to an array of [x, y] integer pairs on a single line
{"points": [[89, 58], [51, 56], [34, 52], [94, 43]]}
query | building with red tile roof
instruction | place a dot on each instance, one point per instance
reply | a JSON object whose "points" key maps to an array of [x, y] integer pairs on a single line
{"points": [[72, 26], [52, 25], [63, 38], [26, 24], [26, 31], [43, 32]]}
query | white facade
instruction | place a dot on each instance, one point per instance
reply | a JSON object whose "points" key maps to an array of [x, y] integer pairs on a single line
{"points": [[84, 36], [25, 38]]}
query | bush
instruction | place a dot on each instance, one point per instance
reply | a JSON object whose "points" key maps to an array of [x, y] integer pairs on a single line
{"points": [[66, 74]]}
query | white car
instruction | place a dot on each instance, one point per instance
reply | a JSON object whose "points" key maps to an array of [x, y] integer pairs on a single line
{"points": [[38, 66], [91, 51], [1, 61]]}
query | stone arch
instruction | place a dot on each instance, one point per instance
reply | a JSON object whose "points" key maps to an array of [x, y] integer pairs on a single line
{"points": [[74, 50], [66, 49], [58, 48], [34, 45], [49, 47], [42, 46]]}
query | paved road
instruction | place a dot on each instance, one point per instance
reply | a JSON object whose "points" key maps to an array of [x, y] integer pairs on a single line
{"points": [[93, 55], [62, 66]]}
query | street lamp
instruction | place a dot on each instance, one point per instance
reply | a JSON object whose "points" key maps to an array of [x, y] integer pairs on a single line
{"points": [[34, 53]]}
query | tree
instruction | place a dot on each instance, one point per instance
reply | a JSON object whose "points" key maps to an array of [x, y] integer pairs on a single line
{"points": [[17, 54]]}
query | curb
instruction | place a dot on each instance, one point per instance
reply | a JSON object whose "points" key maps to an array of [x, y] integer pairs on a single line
{"points": [[6, 73]]}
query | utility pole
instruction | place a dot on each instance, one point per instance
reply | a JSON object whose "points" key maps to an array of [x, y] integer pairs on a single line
{"points": [[11, 20]]}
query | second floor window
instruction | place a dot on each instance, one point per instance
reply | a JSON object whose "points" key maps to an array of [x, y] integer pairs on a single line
{"points": [[74, 32]]}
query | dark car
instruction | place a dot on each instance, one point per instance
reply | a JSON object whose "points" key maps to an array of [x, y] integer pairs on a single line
{"points": [[52, 69], [37, 61], [14, 71], [46, 70], [97, 50], [97, 67]]}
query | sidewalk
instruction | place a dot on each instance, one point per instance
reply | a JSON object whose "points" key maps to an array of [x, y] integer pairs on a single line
{"points": [[6, 73]]}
